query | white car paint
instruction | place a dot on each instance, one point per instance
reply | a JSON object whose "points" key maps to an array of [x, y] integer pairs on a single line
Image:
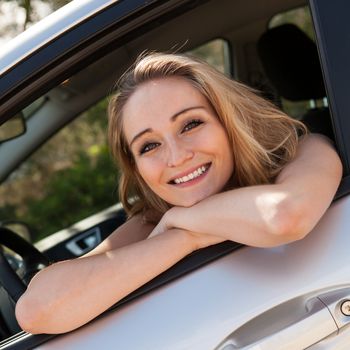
{"points": [[199, 310]]}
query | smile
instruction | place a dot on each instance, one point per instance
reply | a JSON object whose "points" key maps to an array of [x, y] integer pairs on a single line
{"points": [[193, 175]]}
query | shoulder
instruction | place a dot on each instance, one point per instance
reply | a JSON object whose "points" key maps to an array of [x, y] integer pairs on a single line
{"points": [[317, 139]]}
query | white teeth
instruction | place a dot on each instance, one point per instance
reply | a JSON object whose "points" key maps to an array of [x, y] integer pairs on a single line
{"points": [[192, 175]]}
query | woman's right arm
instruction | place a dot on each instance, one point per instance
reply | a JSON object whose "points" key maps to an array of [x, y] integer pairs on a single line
{"points": [[68, 294]]}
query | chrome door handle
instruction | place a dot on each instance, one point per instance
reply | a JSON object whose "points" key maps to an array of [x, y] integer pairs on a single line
{"points": [[295, 324]]}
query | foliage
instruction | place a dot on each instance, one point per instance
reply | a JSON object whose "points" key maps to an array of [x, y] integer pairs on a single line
{"points": [[73, 194], [70, 178], [21, 13]]}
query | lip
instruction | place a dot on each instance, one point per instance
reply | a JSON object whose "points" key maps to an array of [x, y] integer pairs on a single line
{"points": [[189, 171]]}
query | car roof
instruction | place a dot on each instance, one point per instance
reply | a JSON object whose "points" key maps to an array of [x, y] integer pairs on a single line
{"points": [[47, 29]]}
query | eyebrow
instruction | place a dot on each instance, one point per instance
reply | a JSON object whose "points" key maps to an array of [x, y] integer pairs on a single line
{"points": [[173, 118]]}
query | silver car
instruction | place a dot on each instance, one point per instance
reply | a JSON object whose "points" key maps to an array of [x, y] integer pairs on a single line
{"points": [[57, 192]]}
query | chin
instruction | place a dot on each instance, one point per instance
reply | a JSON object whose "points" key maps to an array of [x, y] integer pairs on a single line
{"points": [[190, 202]]}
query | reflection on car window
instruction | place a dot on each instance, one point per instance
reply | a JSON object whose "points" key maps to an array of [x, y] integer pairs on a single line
{"points": [[66, 180]]}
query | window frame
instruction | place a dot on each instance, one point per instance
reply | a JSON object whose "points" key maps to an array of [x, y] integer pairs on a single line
{"points": [[330, 20], [76, 48]]}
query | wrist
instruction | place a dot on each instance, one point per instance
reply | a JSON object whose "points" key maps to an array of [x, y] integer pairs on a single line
{"points": [[186, 239], [173, 217]]}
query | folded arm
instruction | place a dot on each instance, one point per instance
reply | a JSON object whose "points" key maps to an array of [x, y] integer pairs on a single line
{"points": [[268, 215], [57, 297], [68, 294]]}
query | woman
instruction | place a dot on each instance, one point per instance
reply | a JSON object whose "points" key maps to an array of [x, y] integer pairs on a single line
{"points": [[204, 160]]}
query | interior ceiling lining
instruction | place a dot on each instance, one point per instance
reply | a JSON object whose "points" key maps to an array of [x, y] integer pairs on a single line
{"points": [[210, 20]]}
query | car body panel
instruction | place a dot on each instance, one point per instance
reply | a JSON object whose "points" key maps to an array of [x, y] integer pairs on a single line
{"points": [[335, 64], [47, 30], [199, 310]]}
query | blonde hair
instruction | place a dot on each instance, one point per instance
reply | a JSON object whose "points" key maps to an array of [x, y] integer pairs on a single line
{"points": [[263, 138]]}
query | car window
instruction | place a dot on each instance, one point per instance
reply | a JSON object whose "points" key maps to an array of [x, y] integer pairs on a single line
{"points": [[69, 178], [301, 18], [216, 53], [72, 175]]}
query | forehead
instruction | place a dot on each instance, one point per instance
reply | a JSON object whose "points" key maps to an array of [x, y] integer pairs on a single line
{"points": [[155, 102]]}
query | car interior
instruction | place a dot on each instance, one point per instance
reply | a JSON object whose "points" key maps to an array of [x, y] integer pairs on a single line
{"points": [[268, 45]]}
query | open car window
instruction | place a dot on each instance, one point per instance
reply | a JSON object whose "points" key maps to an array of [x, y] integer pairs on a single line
{"points": [[72, 176]]}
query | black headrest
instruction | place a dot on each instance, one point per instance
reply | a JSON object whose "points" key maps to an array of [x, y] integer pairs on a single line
{"points": [[290, 60]]}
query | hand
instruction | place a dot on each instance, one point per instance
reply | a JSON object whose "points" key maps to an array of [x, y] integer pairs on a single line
{"points": [[162, 226], [198, 240], [195, 239]]}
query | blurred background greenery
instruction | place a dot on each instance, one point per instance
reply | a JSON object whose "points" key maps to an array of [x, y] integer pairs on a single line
{"points": [[69, 178]]}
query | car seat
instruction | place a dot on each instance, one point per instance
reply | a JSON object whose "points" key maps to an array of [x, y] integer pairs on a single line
{"points": [[290, 61]]}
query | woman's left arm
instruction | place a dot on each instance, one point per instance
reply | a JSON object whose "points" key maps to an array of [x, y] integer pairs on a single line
{"points": [[268, 215]]}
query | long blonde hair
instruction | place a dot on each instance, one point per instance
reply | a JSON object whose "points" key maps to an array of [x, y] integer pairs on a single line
{"points": [[263, 138]]}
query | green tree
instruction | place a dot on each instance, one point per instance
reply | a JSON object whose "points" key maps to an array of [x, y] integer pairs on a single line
{"points": [[70, 178], [73, 194]]}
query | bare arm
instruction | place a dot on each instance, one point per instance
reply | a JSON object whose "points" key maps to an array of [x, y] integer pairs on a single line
{"points": [[56, 298], [269, 215], [132, 231], [68, 294], [261, 215]]}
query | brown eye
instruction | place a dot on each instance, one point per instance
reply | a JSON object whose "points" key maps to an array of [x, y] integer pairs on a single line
{"points": [[148, 147], [191, 125]]}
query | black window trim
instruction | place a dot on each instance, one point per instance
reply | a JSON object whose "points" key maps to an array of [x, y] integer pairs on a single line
{"points": [[329, 19]]}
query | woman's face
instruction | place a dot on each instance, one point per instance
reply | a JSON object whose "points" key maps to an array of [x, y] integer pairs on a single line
{"points": [[181, 150]]}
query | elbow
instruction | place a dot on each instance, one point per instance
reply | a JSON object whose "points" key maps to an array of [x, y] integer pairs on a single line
{"points": [[36, 318], [290, 223], [29, 315]]}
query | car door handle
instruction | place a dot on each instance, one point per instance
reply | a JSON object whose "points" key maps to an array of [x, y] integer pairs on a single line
{"points": [[294, 324], [84, 242]]}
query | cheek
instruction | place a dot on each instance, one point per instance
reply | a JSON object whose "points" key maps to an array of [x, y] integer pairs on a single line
{"points": [[224, 150], [217, 141], [150, 171], [228, 155], [226, 145]]}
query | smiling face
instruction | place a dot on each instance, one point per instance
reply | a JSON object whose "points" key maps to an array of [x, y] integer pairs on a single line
{"points": [[181, 150]]}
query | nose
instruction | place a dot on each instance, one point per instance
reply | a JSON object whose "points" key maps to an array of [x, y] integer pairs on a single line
{"points": [[178, 153]]}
